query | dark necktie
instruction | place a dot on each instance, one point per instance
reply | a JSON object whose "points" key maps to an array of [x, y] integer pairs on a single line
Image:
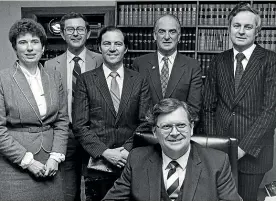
{"points": [[164, 75], [172, 180], [115, 91], [76, 73], [239, 70]]}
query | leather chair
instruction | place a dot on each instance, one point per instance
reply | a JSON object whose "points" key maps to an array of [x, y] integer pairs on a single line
{"points": [[225, 144]]}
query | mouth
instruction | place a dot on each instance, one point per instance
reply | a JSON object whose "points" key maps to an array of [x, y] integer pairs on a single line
{"points": [[239, 38], [176, 140], [30, 55]]}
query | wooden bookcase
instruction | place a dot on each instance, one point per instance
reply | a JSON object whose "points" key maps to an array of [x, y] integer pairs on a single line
{"points": [[97, 17], [204, 26]]}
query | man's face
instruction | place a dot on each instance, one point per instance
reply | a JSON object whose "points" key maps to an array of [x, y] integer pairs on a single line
{"points": [[175, 143], [243, 30], [167, 35], [113, 48], [75, 33]]}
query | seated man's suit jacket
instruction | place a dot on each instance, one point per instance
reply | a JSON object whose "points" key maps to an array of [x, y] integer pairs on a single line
{"points": [[95, 122], [208, 176], [185, 80]]}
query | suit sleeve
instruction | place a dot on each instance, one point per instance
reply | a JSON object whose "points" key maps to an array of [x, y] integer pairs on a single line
{"points": [[210, 101], [226, 186], [9, 147], [250, 143], [61, 130], [81, 122], [135, 65]]}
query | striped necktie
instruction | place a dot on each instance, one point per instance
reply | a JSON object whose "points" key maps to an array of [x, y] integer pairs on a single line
{"points": [[76, 73], [239, 70], [173, 180], [115, 91], [164, 75]]}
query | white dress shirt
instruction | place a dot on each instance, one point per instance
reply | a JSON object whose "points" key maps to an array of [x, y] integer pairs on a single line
{"points": [[247, 53], [170, 61]]}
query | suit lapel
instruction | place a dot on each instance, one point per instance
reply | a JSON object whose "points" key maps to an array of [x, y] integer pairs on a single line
{"points": [[24, 87], [193, 172], [46, 88], [101, 84], [228, 76], [177, 72], [155, 75], [90, 62], [61, 65], [252, 68]]}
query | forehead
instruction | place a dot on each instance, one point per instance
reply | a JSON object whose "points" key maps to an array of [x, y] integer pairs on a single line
{"points": [[113, 36], [178, 115], [244, 17], [167, 23], [27, 36], [74, 22]]}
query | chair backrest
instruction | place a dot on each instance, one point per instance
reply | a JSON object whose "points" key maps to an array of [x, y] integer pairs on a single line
{"points": [[225, 144]]}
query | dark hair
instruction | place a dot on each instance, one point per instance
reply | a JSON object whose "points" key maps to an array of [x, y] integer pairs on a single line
{"points": [[73, 15], [24, 26], [243, 6], [111, 28], [167, 15], [167, 106]]}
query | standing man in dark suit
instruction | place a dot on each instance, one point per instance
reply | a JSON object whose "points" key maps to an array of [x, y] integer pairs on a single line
{"points": [[75, 31], [240, 99], [169, 73], [176, 168], [110, 103]]}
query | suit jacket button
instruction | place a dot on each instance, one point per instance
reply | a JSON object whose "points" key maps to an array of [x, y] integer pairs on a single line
{"points": [[233, 113]]}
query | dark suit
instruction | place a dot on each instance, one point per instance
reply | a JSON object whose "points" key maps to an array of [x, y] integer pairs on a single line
{"points": [[250, 114], [208, 176], [95, 123], [23, 130], [185, 79], [72, 176]]}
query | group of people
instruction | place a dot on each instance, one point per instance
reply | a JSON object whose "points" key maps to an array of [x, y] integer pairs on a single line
{"points": [[77, 115]]}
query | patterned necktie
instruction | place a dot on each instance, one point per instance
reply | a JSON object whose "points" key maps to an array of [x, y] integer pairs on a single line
{"points": [[239, 70], [115, 91], [173, 180], [164, 75], [76, 73]]}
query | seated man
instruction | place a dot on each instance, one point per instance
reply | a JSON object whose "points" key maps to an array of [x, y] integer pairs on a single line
{"points": [[176, 168]]}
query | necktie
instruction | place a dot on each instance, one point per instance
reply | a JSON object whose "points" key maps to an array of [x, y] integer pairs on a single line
{"points": [[114, 91], [172, 180], [164, 75], [239, 70], [76, 73]]}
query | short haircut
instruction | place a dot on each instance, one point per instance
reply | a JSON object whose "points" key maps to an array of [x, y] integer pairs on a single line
{"points": [[111, 28], [73, 15], [167, 15], [166, 106], [245, 7], [24, 26]]}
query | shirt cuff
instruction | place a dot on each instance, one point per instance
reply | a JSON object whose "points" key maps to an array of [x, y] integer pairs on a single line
{"points": [[57, 156], [27, 160]]}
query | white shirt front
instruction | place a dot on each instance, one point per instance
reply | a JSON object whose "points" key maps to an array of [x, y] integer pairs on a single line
{"points": [[170, 61], [70, 68], [119, 79], [247, 53]]}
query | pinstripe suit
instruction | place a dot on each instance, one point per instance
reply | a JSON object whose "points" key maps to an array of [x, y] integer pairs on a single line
{"points": [[95, 123], [250, 114]]}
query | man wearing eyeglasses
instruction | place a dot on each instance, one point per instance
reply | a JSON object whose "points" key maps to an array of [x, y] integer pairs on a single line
{"points": [[175, 168], [76, 60]]}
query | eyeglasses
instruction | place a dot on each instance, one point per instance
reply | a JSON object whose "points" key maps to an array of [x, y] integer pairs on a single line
{"points": [[168, 128], [71, 30]]}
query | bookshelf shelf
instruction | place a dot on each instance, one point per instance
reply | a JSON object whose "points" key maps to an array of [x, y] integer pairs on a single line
{"points": [[212, 27]]}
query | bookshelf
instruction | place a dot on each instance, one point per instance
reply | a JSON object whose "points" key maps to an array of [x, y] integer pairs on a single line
{"points": [[204, 26], [97, 17]]}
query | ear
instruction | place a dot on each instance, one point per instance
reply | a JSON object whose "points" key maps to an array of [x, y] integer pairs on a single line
{"points": [[126, 50], [43, 48], [154, 35], [192, 128], [100, 50], [62, 35], [154, 131], [88, 34]]}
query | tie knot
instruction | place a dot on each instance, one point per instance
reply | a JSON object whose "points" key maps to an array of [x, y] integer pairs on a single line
{"points": [[165, 59], [76, 59], [173, 164], [240, 56], [114, 74]]}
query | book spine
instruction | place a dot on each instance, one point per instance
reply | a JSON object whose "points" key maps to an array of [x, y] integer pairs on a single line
{"points": [[180, 14], [189, 15], [175, 10], [121, 14], [140, 14], [193, 18], [130, 15], [144, 15], [150, 14], [126, 14], [184, 16], [201, 14], [135, 14], [131, 41]]}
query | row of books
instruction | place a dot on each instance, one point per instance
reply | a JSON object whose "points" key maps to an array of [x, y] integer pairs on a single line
{"points": [[205, 60], [267, 12], [267, 39], [147, 14], [213, 40]]}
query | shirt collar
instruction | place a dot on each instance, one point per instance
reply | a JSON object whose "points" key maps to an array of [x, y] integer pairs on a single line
{"points": [[70, 56], [247, 53], [107, 71], [26, 72], [171, 57], [182, 161]]}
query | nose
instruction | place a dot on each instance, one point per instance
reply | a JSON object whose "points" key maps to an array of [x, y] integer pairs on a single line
{"points": [[112, 48], [174, 132], [75, 33], [30, 47], [167, 35], [241, 30]]}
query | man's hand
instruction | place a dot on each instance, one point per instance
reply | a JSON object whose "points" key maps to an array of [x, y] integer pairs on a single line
{"points": [[115, 156], [37, 169], [51, 167], [125, 153], [241, 153]]}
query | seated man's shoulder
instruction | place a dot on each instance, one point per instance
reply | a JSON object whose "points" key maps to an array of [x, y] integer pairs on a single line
{"points": [[142, 153], [145, 57]]}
